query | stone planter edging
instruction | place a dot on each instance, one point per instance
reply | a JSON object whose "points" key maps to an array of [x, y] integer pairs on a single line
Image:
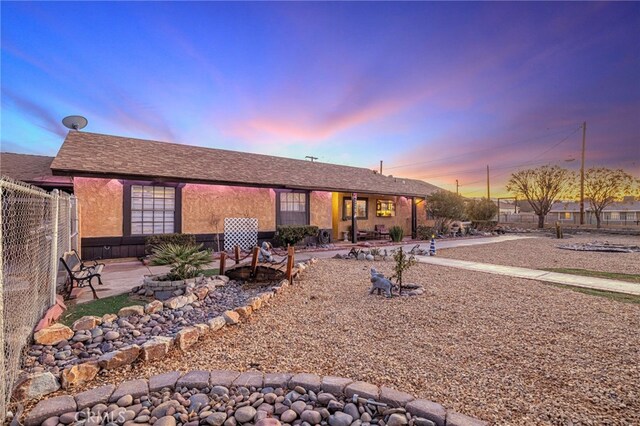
{"points": [[428, 411], [155, 348]]}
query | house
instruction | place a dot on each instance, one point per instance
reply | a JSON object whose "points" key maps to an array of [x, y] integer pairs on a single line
{"points": [[33, 169], [130, 188], [626, 212]]}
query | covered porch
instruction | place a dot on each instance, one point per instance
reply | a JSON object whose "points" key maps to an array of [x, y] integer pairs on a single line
{"points": [[358, 216]]}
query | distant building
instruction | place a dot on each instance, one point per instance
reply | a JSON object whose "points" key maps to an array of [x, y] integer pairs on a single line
{"points": [[625, 212]]}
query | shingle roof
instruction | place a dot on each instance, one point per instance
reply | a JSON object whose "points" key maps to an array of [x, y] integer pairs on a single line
{"points": [[34, 169], [92, 154]]}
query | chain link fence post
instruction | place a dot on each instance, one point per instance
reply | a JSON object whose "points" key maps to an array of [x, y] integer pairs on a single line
{"points": [[54, 245], [3, 363]]}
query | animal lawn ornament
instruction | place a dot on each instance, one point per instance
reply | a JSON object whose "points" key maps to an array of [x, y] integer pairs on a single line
{"points": [[380, 283], [265, 253]]}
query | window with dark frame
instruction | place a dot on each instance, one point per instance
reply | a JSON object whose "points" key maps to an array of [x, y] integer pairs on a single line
{"points": [[362, 208], [152, 209], [293, 202], [385, 208]]}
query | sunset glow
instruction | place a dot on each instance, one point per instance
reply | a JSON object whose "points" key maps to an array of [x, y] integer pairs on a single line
{"points": [[438, 91]]}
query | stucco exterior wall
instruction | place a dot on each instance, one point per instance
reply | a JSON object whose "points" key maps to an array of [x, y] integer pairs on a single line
{"points": [[320, 209], [100, 202], [402, 217], [203, 203]]}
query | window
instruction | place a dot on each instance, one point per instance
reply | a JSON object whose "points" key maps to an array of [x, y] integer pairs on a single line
{"points": [[567, 215], [293, 202], [362, 208], [291, 208], [152, 209], [385, 208]]}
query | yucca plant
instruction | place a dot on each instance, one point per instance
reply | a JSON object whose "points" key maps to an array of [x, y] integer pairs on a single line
{"points": [[396, 233], [186, 261]]}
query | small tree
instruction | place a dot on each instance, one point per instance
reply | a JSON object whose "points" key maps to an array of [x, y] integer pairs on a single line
{"points": [[444, 206], [186, 261], [481, 210], [541, 187], [603, 186], [403, 262], [215, 222]]}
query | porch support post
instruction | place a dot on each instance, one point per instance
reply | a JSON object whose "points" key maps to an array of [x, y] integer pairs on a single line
{"points": [[354, 222], [414, 217]]}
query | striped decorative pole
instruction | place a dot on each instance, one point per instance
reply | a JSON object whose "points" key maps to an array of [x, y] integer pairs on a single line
{"points": [[432, 246]]}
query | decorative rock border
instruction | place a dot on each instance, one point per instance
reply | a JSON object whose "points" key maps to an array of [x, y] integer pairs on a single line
{"points": [[38, 384], [229, 398]]}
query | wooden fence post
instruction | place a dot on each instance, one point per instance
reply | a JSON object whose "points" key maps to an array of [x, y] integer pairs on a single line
{"points": [[236, 250], [223, 258], [290, 260], [254, 261]]}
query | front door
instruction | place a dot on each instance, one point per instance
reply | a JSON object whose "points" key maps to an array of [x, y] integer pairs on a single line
{"points": [[292, 207]]}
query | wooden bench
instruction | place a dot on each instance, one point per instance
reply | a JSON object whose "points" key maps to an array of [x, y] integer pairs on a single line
{"points": [[80, 273]]}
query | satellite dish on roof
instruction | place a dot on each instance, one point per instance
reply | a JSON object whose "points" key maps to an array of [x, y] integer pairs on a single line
{"points": [[75, 122]]}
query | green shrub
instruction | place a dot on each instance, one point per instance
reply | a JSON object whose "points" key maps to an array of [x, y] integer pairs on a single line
{"points": [[155, 240], [481, 210], [186, 261], [396, 233], [424, 232], [293, 234]]}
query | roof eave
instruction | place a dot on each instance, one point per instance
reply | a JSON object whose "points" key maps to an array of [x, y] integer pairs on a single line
{"points": [[173, 179]]}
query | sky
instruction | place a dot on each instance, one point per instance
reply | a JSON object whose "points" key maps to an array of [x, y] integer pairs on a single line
{"points": [[437, 91]]}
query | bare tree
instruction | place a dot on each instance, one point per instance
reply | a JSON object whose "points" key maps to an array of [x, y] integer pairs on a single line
{"points": [[541, 187], [603, 186], [215, 222]]}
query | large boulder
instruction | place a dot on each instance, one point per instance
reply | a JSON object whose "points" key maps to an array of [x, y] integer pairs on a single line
{"points": [[79, 374], [86, 323], [177, 302], [36, 385], [153, 307], [156, 348], [231, 317], [127, 311], [187, 337], [124, 356], [53, 335]]}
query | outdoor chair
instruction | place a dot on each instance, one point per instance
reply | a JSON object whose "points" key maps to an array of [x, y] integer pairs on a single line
{"points": [[80, 273], [382, 231]]}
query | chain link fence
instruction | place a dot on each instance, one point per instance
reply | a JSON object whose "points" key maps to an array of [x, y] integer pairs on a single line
{"points": [[36, 228]]}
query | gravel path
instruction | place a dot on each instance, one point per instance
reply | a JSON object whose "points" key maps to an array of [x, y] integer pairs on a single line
{"points": [[507, 350], [542, 252]]}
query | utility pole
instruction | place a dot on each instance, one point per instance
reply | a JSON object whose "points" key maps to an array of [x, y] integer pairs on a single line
{"points": [[380, 166], [457, 193], [584, 139], [488, 191]]}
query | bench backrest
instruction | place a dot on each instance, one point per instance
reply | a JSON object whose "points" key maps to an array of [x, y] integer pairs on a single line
{"points": [[71, 261], [381, 228]]}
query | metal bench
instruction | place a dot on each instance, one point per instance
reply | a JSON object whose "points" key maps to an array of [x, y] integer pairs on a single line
{"points": [[80, 273]]}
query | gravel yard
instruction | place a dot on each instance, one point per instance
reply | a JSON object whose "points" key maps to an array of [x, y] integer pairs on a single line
{"points": [[507, 350], [541, 252]]}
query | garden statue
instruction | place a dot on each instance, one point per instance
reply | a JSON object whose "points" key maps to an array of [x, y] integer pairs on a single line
{"points": [[265, 253], [379, 282]]}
